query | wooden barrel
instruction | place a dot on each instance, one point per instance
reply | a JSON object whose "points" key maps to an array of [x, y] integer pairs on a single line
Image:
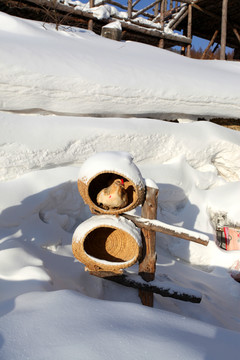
{"points": [[100, 171], [107, 243]]}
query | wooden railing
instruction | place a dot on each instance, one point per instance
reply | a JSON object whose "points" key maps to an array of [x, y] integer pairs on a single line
{"points": [[155, 11], [162, 15]]}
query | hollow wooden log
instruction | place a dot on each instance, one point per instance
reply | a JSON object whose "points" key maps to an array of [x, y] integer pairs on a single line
{"points": [[175, 231]]}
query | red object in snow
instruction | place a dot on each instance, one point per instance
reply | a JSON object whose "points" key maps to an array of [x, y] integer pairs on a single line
{"points": [[228, 238], [232, 238]]}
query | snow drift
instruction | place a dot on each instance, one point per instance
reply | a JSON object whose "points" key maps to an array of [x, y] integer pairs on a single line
{"points": [[49, 306], [90, 75]]}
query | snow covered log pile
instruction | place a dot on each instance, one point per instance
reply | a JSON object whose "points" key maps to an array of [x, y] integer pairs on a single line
{"points": [[110, 183]]}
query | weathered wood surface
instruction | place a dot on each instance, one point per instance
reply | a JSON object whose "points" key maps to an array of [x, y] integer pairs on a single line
{"points": [[159, 226], [210, 44], [189, 29], [164, 287], [147, 266], [224, 29]]}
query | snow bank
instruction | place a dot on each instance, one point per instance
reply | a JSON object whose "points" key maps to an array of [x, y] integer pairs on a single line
{"points": [[60, 73], [49, 306]]}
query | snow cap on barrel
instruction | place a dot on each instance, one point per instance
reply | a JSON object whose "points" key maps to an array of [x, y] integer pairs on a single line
{"points": [[107, 243], [101, 169]]}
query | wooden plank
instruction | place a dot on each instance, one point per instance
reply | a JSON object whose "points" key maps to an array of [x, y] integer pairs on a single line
{"points": [[164, 287], [175, 231], [223, 29]]}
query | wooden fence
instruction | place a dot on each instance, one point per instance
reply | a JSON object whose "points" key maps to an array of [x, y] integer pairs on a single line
{"points": [[159, 15]]}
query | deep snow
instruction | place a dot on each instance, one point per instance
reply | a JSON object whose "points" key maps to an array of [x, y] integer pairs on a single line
{"points": [[50, 307]]}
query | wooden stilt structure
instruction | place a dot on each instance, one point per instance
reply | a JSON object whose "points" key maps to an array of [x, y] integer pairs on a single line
{"points": [[190, 17]]}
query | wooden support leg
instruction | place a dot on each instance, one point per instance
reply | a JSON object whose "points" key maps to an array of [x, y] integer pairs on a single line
{"points": [[209, 45], [161, 42], [189, 29], [223, 29], [90, 22], [147, 266]]}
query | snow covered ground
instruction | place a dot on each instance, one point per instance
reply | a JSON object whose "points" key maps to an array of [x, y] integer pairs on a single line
{"points": [[57, 93]]}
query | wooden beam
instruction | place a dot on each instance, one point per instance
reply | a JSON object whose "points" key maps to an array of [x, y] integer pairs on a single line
{"points": [[164, 287], [175, 231], [189, 29], [149, 211], [237, 34], [147, 265], [161, 42], [135, 3], [178, 19], [129, 9], [90, 21], [210, 44], [223, 29], [153, 32], [144, 9]]}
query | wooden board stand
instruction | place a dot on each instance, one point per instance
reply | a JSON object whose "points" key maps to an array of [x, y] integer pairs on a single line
{"points": [[145, 281]]}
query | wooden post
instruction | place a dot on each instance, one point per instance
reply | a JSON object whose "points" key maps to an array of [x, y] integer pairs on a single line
{"points": [[156, 9], [223, 30], [210, 44], [161, 42], [189, 29], [237, 34], [129, 9], [147, 266], [90, 22]]}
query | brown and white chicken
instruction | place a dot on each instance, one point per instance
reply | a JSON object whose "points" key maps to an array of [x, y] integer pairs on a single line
{"points": [[113, 196]]}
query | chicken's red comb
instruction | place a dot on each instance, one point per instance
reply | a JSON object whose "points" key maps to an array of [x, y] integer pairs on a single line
{"points": [[122, 181]]}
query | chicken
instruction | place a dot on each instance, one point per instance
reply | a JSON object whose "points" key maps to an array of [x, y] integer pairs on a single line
{"points": [[113, 196]]}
